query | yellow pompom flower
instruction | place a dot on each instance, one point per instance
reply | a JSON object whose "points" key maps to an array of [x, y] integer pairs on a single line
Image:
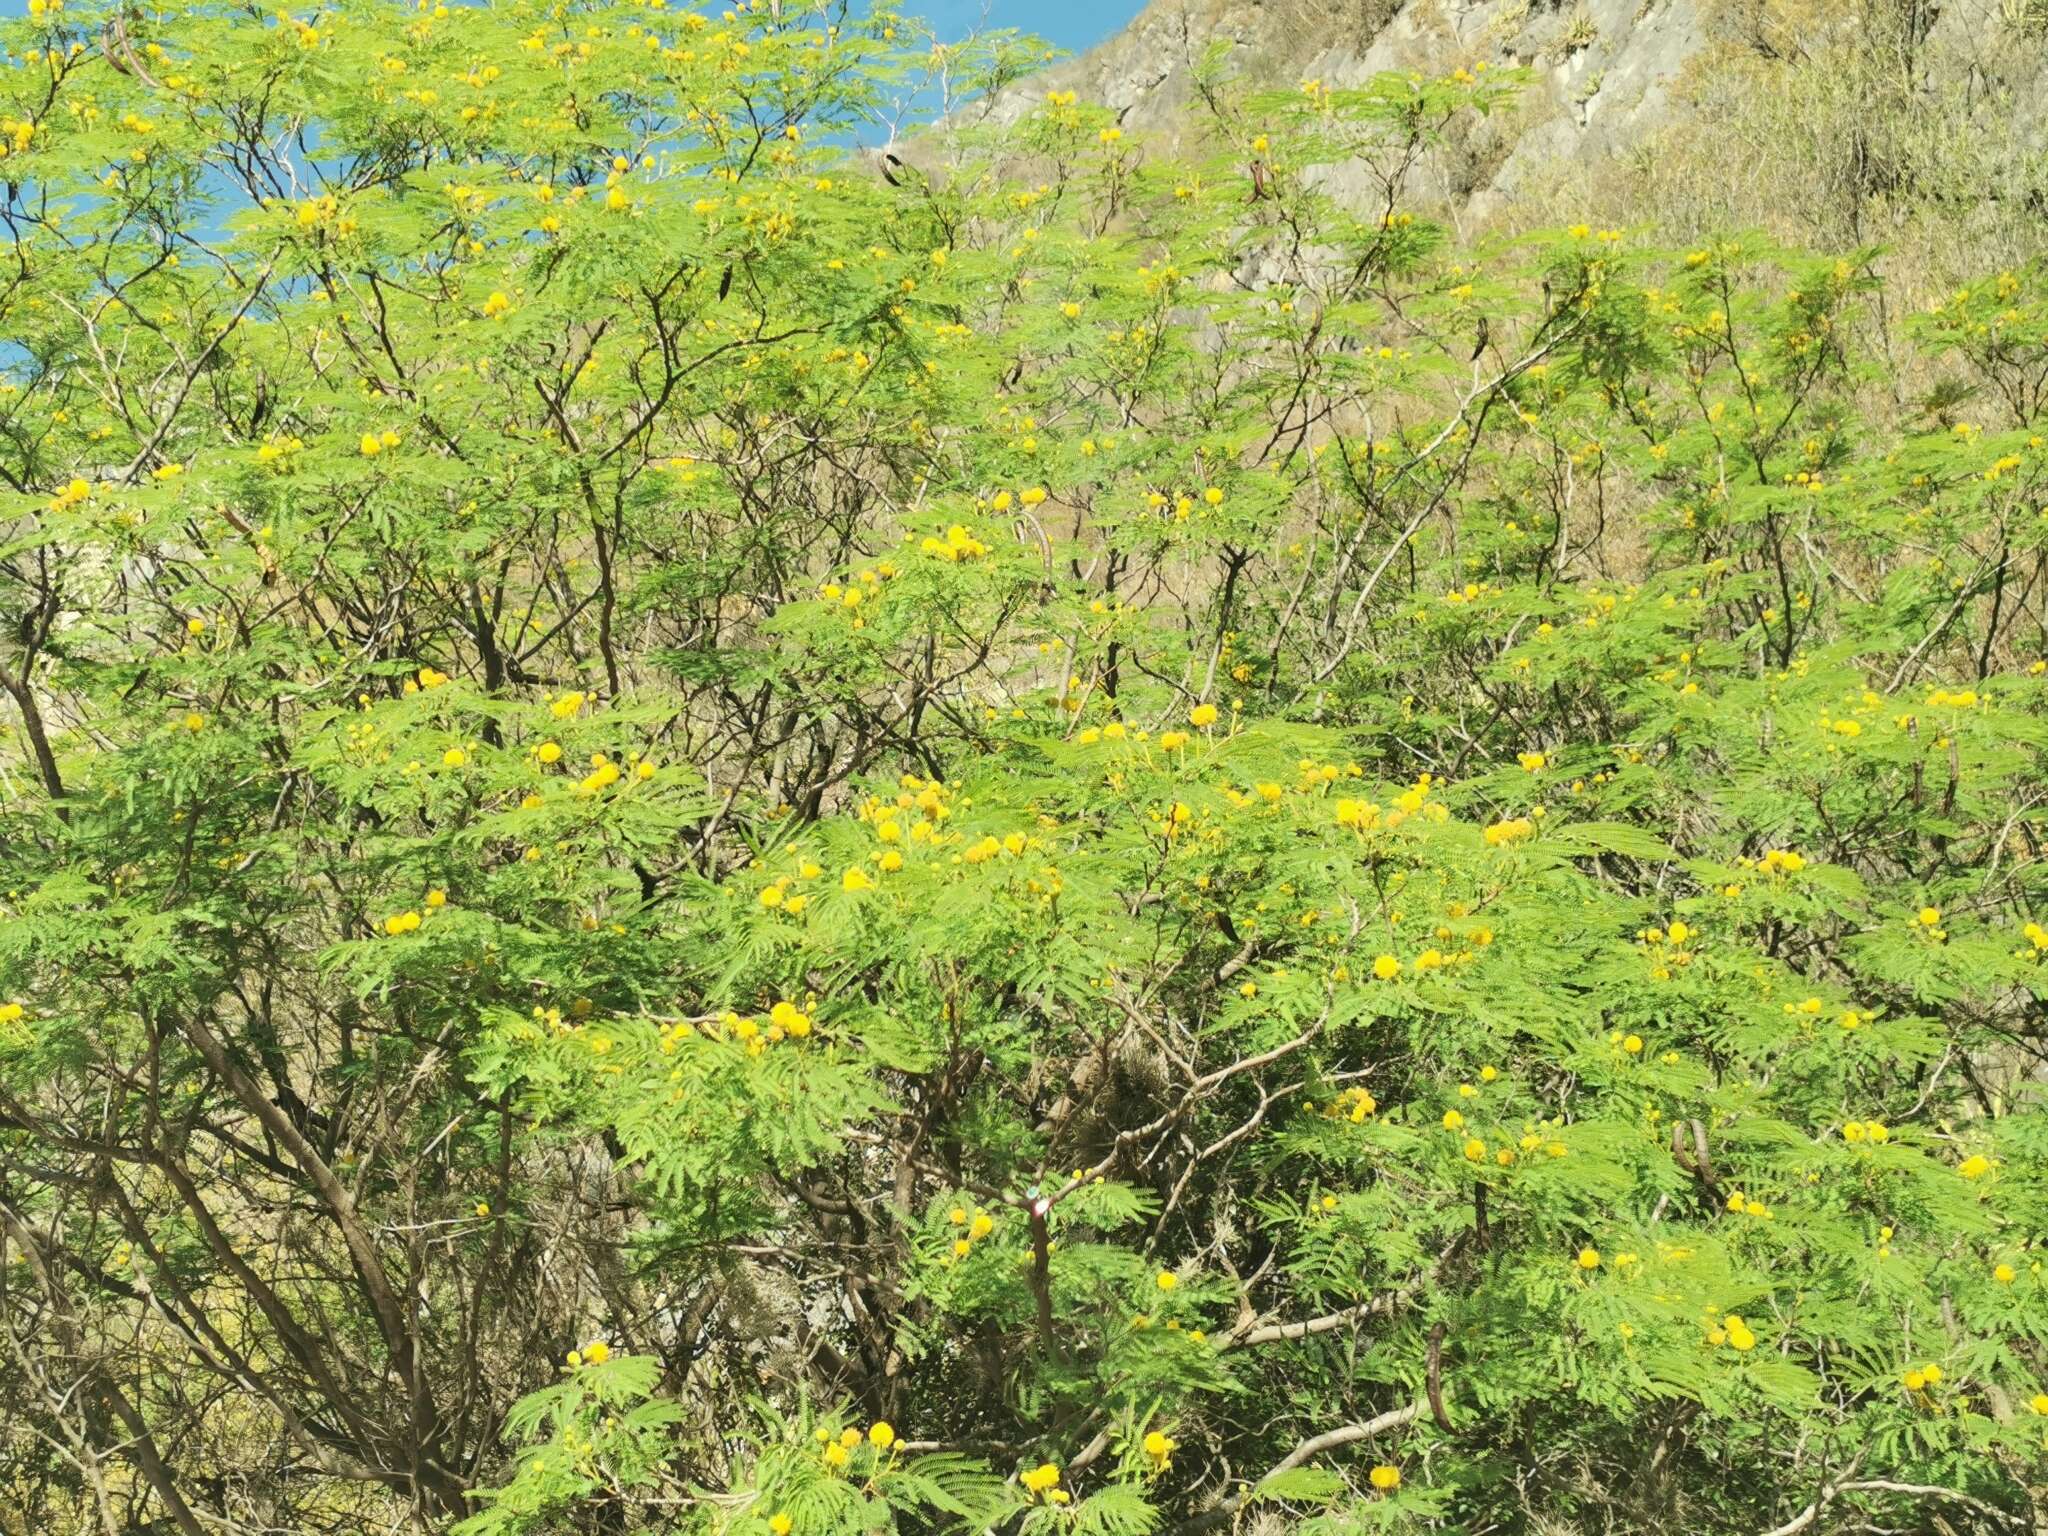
{"points": [[1042, 1479], [1385, 1478]]}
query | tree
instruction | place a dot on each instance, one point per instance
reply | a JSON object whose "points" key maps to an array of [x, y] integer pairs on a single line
{"points": [[701, 839]]}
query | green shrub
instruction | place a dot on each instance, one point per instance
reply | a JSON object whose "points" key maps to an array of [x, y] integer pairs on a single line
{"points": [[700, 841]]}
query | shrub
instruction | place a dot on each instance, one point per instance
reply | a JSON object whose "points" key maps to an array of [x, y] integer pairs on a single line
{"points": [[702, 841]]}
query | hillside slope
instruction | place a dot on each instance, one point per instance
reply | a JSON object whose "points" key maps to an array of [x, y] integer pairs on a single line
{"points": [[1805, 112]]}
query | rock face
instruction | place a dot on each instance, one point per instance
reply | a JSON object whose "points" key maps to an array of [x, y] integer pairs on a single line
{"points": [[1608, 77]]}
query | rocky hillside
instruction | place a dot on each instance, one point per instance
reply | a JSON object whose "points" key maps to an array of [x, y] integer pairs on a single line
{"points": [[1835, 102]]}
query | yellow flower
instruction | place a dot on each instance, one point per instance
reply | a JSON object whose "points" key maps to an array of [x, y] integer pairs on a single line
{"points": [[454, 757], [437, 898], [881, 1435], [195, 626], [1167, 1280], [369, 445], [1159, 1447], [1386, 967], [1040, 1479], [195, 721], [2004, 1274], [1202, 715], [835, 1454], [1633, 1045], [982, 1225], [1589, 1258], [1739, 1336], [779, 1523], [597, 1353], [1530, 761], [1929, 916], [2039, 1403], [1453, 1121], [1385, 1478], [1974, 1166], [856, 879]]}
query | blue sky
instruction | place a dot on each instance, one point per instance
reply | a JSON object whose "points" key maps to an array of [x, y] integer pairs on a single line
{"points": [[1069, 24]]}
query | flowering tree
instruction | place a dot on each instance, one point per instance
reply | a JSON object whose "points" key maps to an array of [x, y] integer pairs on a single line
{"points": [[701, 840]]}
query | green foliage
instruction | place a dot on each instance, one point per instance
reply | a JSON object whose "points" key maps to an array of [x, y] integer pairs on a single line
{"points": [[697, 840]]}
